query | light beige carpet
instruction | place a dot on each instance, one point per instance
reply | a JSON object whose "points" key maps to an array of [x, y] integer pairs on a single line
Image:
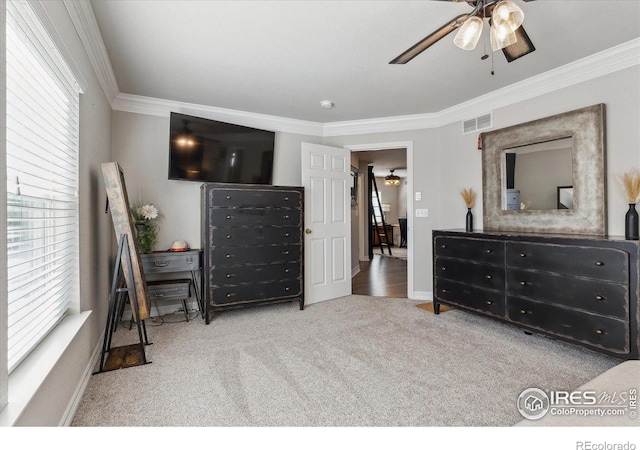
{"points": [[354, 361]]}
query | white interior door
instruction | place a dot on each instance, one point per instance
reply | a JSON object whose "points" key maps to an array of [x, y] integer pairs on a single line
{"points": [[326, 177]]}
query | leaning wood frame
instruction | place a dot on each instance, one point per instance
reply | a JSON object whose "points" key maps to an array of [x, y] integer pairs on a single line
{"points": [[124, 224]]}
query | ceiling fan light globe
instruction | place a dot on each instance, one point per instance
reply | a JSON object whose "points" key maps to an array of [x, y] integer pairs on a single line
{"points": [[502, 36], [509, 13], [469, 33]]}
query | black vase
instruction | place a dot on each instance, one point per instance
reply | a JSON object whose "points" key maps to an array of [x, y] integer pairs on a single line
{"points": [[631, 223], [470, 220]]}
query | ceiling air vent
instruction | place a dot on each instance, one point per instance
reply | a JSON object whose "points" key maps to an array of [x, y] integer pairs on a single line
{"points": [[477, 123]]}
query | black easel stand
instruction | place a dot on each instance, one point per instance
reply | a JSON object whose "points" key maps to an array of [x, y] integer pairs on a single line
{"points": [[130, 355]]}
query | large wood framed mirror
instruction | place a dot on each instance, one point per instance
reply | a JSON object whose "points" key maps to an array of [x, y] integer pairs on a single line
{"points": [[547, 175]]}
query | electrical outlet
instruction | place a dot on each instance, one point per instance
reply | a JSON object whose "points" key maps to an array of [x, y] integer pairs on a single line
{"points": [[422, 213]]}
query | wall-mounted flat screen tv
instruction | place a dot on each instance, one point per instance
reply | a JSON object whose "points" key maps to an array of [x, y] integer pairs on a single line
{"points": [[210, 151]]}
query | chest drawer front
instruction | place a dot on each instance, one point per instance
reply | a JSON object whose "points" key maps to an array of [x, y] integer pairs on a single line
{"points": [[489, 277], [268, 254], [224, 295], [610, 299], [226, 237], [253, 217], [168, 290], [263, 198], [479, 250], [473, 297], [600, 331], [170, 261], [599, 263], [233, 275]]}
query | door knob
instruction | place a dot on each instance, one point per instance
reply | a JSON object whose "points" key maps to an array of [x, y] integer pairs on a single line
{"points": [[307, 231]]}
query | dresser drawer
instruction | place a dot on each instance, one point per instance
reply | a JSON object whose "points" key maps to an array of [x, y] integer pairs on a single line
{"points": [[473, 297], [478, 250], [224, 295], [604, 332], [610, 299], [266, 254], [233, 275], [265, 198], [253, 217], [489, 277], [167, 290], [224, 237], [599, 263], [158, 262]]}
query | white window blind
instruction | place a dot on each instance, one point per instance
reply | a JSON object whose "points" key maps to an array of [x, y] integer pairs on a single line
{"points": [[42, 182]]}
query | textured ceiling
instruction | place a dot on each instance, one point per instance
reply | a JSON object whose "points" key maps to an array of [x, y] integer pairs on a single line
{"points": [[282, 58]]}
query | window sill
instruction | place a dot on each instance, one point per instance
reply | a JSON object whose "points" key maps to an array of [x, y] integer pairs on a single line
{"points": [[26, 379]]}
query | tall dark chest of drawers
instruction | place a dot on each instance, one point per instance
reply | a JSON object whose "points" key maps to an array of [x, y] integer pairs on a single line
{"points": [[576, 288], [252, 245]]}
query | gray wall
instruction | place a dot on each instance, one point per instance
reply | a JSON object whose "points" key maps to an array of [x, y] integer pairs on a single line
{"points": [[445, 161]]}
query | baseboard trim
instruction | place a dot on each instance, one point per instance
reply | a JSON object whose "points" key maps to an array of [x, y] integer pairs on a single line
{"points": [[422, 295], [355, 271]]}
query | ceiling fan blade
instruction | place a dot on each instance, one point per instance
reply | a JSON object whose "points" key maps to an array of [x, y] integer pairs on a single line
{"points": [[523, 46], [430, 40]]}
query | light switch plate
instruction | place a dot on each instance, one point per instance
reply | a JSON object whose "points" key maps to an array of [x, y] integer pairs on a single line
{"points": [[422, 213], [418, 196]]}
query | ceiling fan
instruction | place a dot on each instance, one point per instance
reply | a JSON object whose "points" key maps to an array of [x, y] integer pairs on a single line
{"points": [[506, 31]]}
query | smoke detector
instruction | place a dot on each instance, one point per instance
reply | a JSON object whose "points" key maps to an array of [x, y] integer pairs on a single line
{"points": [[326, 104]]}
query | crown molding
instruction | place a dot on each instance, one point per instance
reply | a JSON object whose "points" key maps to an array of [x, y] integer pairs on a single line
{"points": [[608, 61], [85, 23], [160, 107], [594, 66]]}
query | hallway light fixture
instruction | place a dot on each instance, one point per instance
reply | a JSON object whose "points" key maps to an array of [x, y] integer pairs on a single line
{"points": [[392, 179]]}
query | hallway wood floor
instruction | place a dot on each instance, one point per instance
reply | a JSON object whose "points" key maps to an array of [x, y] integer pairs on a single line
{"points": [[381, 277]]}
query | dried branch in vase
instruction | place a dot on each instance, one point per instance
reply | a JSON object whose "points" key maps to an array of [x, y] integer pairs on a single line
{"points": [[468, 196], [630, 181]]}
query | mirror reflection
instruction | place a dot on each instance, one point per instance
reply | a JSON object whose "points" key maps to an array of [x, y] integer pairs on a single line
{"points": [[538, 176]]}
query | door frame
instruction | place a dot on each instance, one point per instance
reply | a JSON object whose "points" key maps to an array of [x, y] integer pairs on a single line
{"points": [[408, 146]]}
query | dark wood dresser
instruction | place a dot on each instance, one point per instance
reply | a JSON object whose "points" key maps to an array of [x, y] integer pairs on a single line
{"points": [[252, 245], [580, 289]]}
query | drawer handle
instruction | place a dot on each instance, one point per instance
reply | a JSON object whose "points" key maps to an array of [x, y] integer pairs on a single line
{"points": [[488, 277], [286, 252], [229, 217], [599, 298], [488, 250], [229, 295], [285, 217], [489, 302], [444, 291], [231, 275], [161, 263], [286, 199], [229, 255], [228, 197], [599, 263], [443, 246], [228, 236], [522, 311], [599, 331], [286, 270], [158, 294], [523, 283], [444, 268], [286, 288], [523, 255], [287, 234]]}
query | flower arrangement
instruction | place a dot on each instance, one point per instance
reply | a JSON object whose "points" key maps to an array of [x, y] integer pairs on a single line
{"points": [[468, 196], [147, 231], [630, 182]]}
